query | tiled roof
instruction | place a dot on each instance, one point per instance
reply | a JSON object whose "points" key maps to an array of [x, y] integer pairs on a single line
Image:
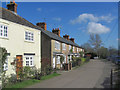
{"points": [[10, 16]]}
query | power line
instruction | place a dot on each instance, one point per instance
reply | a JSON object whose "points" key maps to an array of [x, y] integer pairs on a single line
{"points": [[111, 30]]}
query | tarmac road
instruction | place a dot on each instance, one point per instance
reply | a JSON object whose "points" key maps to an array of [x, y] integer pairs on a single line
{"points": [[94, 74]]}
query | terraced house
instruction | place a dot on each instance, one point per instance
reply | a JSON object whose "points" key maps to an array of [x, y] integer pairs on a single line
{"points": [[54, 46], [21, 40], [30, 45]]}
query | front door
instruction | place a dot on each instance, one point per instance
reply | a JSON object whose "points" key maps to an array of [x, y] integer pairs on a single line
{"points": [[19, 65], [53, 61]]}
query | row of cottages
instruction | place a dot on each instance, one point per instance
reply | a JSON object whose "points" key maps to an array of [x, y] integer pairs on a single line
{"points": [[30, 44]]}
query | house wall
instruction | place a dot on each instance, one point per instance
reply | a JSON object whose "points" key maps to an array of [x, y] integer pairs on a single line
{"points": [[45, 47], [54, 50], [16, 44]]}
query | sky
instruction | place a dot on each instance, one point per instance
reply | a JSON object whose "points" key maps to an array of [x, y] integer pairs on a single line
{"points": [[77, 19]]}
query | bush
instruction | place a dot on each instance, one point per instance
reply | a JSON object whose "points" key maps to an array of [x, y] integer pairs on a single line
{"points": [[12, 79], [76, 61]]}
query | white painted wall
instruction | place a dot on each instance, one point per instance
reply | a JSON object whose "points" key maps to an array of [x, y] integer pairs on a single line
{"points": [[16, 44]]}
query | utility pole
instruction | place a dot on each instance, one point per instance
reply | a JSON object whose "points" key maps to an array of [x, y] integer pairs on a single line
{"points": [[119, 28]]}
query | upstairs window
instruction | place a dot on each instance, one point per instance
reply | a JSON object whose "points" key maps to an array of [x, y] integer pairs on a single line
{"points": [[3, 31], [29, 36], [57, 45], [63, 46]]}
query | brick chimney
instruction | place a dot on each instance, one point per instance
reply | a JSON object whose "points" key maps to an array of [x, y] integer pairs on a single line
{"points": [[66, 36], [42, 25], [56, 31], [12, 6], [72, 39]]}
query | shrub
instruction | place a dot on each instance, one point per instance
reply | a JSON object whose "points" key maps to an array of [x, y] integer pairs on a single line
{"points": [[12, 79], [46, 68]]}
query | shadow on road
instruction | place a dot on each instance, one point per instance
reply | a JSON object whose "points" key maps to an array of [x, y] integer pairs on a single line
{"points": [[106, 83]]}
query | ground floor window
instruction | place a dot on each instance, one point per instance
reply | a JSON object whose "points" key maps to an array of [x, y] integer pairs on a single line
{"points": [[58, 59], [29, 60]]}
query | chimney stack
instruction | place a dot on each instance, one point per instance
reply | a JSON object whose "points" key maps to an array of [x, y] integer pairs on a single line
{"points": [[66, 37], [12, 6], [72, 39], [42, 25], [56, 31]]}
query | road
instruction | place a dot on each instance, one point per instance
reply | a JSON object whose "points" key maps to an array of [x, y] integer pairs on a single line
{"points": [[94, 74]]}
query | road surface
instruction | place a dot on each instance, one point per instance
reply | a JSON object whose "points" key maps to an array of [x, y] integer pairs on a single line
{"points": [[94, 74]]}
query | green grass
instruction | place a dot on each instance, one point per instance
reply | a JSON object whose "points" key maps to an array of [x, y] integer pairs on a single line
{"points": [[32, 81]]}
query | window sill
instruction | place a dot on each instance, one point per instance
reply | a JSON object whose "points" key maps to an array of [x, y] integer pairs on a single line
{"points": [[29, 41], [57, 49], [4, 38]]}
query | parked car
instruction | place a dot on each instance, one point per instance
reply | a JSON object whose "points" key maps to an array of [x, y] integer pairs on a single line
{"points": [[109, 58]]}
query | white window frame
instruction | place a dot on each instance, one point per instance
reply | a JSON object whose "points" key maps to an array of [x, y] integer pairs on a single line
{"points": [[3, 31], [69, 47], [57, 45], [58, 60], [29, 36], [73, 48], [29, 60], [63, 46], [77, 49]]}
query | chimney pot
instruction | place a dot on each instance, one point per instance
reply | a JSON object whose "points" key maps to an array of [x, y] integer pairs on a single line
{"points": [[72, 39], [42, 25], [66, 36], [56, 31], [12, 6]]}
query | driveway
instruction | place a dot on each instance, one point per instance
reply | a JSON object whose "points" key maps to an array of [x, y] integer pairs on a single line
{"points": [[94, 74]]}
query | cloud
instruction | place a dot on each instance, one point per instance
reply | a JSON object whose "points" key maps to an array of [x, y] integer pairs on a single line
{"points": [[118, 39], [57, 19], [108, 18], [97, 28], [39, 9], [85, 17]]}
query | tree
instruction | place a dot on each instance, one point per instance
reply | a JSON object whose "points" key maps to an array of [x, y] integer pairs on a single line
{"points": [[87, 47], [103, 52], [3, 56], [112, 51], [95, 41]]}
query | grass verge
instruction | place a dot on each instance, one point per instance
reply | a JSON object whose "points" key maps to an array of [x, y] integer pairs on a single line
{"points": [[31, 82]]}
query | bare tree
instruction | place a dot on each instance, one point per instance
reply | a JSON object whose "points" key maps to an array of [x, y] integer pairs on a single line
{"points": [[96, 42]]}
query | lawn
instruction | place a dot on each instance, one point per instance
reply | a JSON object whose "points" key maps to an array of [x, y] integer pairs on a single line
{"points": [[31, 82]]}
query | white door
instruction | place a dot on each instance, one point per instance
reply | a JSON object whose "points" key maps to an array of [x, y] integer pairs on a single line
{"points": [[53, 61]]}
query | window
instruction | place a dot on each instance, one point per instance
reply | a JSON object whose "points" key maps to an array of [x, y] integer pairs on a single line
{"points": [[6, 64], [3, 31], [80, 49], [69, 47], [63, 46], [29, 36], [57, 45], [73, 48], [58, 60], [29, 60], [77, 49]]}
